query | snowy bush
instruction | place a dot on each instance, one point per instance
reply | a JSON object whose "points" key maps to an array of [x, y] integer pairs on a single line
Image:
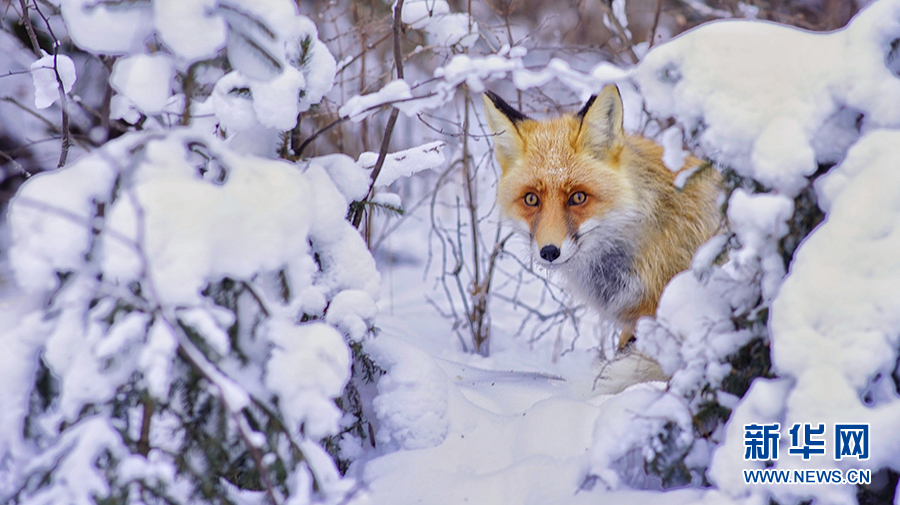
{"points": [[172, 276], [176, 343]]}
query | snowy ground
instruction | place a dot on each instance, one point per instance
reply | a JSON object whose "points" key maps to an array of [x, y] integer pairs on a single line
{"points": [[510, 428], [516, 427]]}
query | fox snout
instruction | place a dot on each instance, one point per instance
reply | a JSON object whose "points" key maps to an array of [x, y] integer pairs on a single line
{"points": [[550, 252], [553, 253]]}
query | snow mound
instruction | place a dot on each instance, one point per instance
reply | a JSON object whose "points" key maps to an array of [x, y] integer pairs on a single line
{"points": [[755, 96]]}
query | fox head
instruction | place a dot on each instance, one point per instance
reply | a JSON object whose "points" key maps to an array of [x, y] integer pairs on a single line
{"points": [[563, 181]]}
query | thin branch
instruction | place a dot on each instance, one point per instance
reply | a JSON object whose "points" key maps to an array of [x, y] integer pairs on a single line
{"points": [[26, 20], [63, 102], [299, 151], [47, 122], [368, 47], [626, 40], [15, 163], [81, 220], [187, 85], [392, 119], [143, 444], [410, 211], [14, 73], [659, 4]]}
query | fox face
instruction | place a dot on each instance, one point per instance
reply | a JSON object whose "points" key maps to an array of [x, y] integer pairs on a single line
{"points": [[561, 183]]}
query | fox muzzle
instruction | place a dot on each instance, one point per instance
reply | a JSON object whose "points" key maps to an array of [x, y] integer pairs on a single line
{"points": [[550, 252]]}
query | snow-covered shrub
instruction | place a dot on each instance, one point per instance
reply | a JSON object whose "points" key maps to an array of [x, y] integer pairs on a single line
{"points": [[194, 306], [169, 357]]}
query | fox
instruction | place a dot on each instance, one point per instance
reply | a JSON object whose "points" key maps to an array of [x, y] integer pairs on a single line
{"points": [[599, 206]]}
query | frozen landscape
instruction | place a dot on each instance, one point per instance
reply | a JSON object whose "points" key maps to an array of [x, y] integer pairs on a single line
{"points": [[210, 301]]}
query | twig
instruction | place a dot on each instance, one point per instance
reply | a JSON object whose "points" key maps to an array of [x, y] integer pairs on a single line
{"points": [[655, 26], [81, 220], [17, 72], [626, 40], [143, 444], [47, 122], [15, 164], [369, 47], [409, 211], [187, 85], [63, 102], [392, 119], [35, 45], [299, 151]]}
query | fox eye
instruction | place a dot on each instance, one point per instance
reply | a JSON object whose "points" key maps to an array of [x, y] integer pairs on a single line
{"points": [[531, 200], [577, 198]]}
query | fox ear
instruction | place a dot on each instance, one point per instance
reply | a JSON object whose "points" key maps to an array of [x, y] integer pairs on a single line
{"points": [[503, 121], [601, 123]]}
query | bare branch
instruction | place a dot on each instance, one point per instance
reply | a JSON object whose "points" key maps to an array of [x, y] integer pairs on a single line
{"points": [[63, 102], [392, 119], [29, 28], [15, 164]]}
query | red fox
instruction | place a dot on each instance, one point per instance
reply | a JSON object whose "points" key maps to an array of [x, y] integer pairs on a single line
{"points": [[600, 206]]}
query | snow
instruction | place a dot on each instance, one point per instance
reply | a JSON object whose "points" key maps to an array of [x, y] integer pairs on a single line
{"points": [[442, 27], [204, 323], [618, 7], [234, 107], [309, 365], [121, 107], [619, 430], [388, 200], [171, 228], [673, 152], [451, 425], [405, 163], [351, 179], [156, 359], [759, 221], [44, 73], [474, 70], [188, 28], [274, 50], [105, 29], [346, 261], [836, 318], [145, 79], [413, 398], [332, 485], [756, 93], [241, 101], [185, 256], [275, 101], [52, 206], [83, 480], [360, 107], [718, 82], [18, 364], [350, 310]]}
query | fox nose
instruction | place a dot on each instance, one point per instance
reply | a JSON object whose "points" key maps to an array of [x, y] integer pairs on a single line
{"points": [[550, 252]]}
